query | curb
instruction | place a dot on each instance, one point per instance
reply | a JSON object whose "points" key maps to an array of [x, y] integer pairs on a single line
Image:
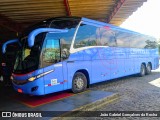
{"points": [[89, 107]]}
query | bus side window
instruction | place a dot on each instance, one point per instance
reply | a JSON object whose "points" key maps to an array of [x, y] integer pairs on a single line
{"points": [[51, 52], [139, 41], [123, 39], [86, 36], [107, 37]]}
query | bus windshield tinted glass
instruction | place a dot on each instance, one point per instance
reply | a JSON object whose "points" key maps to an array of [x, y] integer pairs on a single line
{"points": [[28, 58]]}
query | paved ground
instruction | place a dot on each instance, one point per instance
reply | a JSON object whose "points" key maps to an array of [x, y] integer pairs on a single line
{"points": [[136, 94]]}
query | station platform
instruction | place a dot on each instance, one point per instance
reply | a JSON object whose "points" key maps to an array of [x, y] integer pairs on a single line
{"points": [[56, 104]]}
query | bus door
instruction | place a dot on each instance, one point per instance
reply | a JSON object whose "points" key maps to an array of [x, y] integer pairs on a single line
{"points": [[53, 67]]}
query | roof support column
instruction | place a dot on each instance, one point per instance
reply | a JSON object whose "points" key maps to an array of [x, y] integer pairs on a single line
{"points": [[66, 3], [115, 9]]}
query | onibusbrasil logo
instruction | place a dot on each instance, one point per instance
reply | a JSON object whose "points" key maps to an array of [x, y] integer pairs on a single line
{"points": [[20, 114]]}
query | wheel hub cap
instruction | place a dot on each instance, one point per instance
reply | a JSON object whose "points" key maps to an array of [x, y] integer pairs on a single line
{"points": [[79, 83]]}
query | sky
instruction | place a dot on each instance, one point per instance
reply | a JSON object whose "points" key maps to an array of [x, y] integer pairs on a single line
{"points": [[146, 19]]}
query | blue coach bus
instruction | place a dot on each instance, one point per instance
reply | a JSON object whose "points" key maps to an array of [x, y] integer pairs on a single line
{"points": [[71, 53]]}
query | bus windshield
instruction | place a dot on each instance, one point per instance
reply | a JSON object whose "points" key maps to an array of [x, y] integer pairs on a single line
{"points": [[27, 58], [47, 46]]}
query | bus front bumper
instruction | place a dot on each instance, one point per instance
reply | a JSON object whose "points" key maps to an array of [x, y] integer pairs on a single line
{"points": [[33, 88]]}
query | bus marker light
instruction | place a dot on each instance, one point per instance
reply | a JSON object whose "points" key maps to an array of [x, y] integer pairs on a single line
{"points": [[65, 81], [20, 91], [107, 27]]}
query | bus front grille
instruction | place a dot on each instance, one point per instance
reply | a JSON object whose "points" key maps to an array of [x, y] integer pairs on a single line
{"points": [[20, 82]]}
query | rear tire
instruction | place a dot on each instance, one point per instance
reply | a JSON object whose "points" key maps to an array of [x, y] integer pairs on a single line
{"points": [[142, 70], [79, 82], [148, 69]]}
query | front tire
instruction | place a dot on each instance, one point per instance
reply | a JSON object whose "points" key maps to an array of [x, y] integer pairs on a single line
{"points": [[142, 70], [79, 83]]}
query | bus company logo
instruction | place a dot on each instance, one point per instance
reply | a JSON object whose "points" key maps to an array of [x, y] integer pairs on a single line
{"points": [[107, 59], [6, 114], [20, 114]]}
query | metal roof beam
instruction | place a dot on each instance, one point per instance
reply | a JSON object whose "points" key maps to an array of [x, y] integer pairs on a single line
{"points": [[10, 24], [66, 3], [115, 9]]}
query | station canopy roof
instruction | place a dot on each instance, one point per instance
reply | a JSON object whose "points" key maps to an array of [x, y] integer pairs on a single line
{"points": [[18, 14]]}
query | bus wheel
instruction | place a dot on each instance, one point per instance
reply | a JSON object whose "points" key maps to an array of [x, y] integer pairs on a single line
{"points": [[142, 70], [148, 69], [79, 82]]}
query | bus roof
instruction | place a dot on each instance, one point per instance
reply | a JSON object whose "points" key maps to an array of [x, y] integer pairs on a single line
{"points": [[88, 21]]}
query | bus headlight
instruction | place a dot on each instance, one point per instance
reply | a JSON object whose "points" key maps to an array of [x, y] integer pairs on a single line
{"points": [[40, 75], [31, 79]]}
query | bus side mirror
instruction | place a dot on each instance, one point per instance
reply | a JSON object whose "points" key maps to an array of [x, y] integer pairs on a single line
{"points": [[6, 43], [34, 33]]}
